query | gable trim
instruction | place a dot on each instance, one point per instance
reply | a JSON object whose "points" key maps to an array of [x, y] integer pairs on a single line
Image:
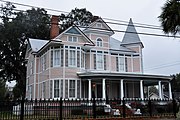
{"points": [[81, 32]]}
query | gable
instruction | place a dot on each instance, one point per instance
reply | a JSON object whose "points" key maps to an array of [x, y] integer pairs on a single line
{"points": [[73, 31], [99, 26]]}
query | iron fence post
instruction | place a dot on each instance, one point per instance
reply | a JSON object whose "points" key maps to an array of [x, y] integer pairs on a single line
{"points": [[150, 107], [174, 106], [22, 109], [94, 105], [60, 110], [124, 108]]}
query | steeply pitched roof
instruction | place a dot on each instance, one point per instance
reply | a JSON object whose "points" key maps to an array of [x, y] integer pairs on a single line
{"points": [[37, 44], [131, 35], [116, 45], [93, 26], [75, 30]]}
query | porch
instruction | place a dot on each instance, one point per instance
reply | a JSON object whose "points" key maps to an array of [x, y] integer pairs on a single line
{"points": [[121, 85]]}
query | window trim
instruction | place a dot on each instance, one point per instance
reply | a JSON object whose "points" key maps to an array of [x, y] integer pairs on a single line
{"points": [[99, 42], [56, 88], [72, 39], [43, 62], [54, 65], [75, 58], [98, 25], [75, 88], [124, 63], [43, 90], [102, 61], [31, 67]]}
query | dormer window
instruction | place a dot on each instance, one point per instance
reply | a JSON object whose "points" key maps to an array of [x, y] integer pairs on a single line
{"points": [[99, 25], [72, 39], [99, 42]]}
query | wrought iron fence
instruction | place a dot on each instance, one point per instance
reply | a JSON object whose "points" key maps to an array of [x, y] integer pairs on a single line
{"points": [[83, 108]]}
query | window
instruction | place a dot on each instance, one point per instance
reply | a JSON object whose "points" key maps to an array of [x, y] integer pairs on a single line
{"points": [[31, 67], [44, 90], [51, 89], [99, 42], [72, 88], [72, 58], [72, 39], [56, 88], [82, 59], [99, 61], [43, 62], [56, 57], [99, 25], [121, 61], [30, 91]]}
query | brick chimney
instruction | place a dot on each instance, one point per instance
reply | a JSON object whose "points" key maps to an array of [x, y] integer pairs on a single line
{"points": [[54, 31]]}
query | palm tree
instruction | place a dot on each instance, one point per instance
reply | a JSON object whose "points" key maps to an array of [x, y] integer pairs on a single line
{"points": [[170, 17]]}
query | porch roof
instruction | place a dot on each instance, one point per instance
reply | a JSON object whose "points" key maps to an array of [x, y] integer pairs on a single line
{"points": [[117, 75]]}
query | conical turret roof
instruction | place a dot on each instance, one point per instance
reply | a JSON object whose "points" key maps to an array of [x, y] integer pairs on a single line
{"points": [[131, 35]]}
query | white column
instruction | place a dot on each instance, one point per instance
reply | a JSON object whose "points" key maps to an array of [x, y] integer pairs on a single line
{"points": [[103, 89], [141, 89], [89, 92], [160, 89], [122, 89], [170, 92]]}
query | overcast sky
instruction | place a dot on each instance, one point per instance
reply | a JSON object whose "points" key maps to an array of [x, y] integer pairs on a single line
{"points": [[161, 55]]}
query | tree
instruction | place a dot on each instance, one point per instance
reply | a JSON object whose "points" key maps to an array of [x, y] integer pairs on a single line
{"points": [[170, 17], [2, 89], [175, 83], [77, 16], [15, 29], [153, 89]]}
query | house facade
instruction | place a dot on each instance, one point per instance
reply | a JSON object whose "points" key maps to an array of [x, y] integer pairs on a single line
{"points": [[84, 59]]}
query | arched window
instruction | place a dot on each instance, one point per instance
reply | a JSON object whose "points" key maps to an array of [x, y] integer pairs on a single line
{"points": [[99, 42]]}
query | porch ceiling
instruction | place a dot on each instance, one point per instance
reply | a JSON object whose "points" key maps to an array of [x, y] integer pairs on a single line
{"points": [[117, 75]]}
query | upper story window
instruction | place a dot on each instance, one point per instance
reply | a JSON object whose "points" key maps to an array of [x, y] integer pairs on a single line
{"points": [[99, 61], [72, 39], [99, 42], [31, 67], [43, 62], [56, 57], [122, 64], [72, 58]]}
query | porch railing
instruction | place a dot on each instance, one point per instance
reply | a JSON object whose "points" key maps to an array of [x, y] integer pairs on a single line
{"points": [[84, 108]]}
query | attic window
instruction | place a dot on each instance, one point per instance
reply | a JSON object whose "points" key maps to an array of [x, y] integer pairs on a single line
{"points": [[99, 25], [72, 39]]}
